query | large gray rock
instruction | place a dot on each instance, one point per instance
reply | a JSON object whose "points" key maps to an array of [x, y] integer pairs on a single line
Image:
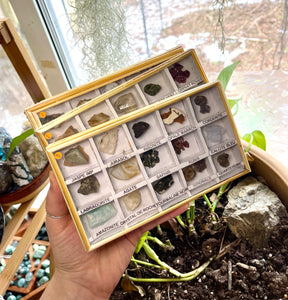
{"points": [[253, 211]]}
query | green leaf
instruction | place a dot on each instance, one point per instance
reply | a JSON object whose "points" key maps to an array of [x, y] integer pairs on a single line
{"points": [[234, 105], [141, 242], [226, 74], [18, 139], [256, 138]]}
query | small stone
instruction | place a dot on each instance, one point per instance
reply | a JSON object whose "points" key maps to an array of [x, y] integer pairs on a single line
{"points": [[132, 200], [21, 282], [40, 273], [108, 142], [6, 180], [202, 102], [101, 215], [174, 115], [70, 131], [163, 184], [152, 89], [45, 263], [9, 250], [38, 254], [49, 118], [140, 128], [189, 173], [98, 119], [75, 157], [179, 144], [82, 102], [11, 297], [28, 276], [47, 271], [223, 160], [178, 74], [126, 169], [214, 133], [37, 262], [125, 103], [89, 185], [150, 158], [43, 280], [24, 270]]}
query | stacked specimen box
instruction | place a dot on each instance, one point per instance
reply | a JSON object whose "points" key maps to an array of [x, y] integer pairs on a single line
{"points": [[158, 140]]}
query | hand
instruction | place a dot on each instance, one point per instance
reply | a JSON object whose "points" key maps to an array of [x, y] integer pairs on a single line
{"points": [[80, 274]]}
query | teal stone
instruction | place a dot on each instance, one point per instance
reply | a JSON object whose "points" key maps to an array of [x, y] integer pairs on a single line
{"points": [[14, 244], [26, 257], [21, 282], [38, 254], [43, 280], [2, 262], [12, 297], [1, 269], [40, 273], [19, 297], [9, 250], [24, 270], [101, 215], [29, 276], [47, 271], [12, 282], [45, 263], [37, 262], [42, 248], [35, 247]]}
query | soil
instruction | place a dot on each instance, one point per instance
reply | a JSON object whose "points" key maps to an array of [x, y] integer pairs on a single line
{"points": [[237, 272]]}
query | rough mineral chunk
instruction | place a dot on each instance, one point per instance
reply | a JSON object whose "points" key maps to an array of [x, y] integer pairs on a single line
{"points": [[101, 215], [49, 118], [125, 103], [174, 115], [178, 74], [200, 165], [150, 158], [75, 157], [126, 169], [189, 173], [69, 131], [140, 128], [108, 142], [82, 102], [179, 144], [202, 102], [223, 160], [98, 119], [89, 185], [132, 200], [214, 133], [152, 89], [162, 185]]}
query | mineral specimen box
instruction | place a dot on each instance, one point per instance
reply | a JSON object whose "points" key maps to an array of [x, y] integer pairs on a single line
{"points": [[140, 149], [141, 165]]}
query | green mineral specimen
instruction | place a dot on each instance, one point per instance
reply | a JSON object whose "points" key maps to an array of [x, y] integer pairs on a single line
{"points": [[101, 215], [152, 89]]}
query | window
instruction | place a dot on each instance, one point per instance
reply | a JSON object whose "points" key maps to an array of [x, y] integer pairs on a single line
{"points": [[255, 34]]}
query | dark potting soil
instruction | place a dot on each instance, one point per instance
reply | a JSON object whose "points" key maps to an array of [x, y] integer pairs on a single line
{"points": [[237, 272]]}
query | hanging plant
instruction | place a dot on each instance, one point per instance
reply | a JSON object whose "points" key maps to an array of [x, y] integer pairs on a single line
{"points": [[99, 28]]}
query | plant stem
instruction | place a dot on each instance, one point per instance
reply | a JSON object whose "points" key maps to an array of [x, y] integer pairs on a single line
{"points": [[160, 243]]}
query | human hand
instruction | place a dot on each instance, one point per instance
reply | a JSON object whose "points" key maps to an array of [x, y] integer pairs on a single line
{"points": [[80, 274]]}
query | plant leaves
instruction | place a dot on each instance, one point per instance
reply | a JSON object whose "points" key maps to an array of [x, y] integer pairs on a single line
{"points": [[226, 74], [234, 105], [141, 242], [18, 139], [256, 138]]}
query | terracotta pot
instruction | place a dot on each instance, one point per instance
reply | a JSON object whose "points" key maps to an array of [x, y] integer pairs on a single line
{"points": [[274, 172]]}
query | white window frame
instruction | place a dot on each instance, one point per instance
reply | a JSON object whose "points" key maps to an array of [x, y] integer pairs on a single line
{"points": [[40, 44]]}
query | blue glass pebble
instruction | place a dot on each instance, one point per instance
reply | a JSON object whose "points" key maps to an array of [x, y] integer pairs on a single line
{"points": [[43, 280], [21, 282], [40, 273], [29, 276]]}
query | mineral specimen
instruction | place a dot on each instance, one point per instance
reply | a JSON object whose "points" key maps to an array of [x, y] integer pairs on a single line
{"points": [[202, 102], [163, 184], [178, 74], [132, 200], [69, 131], [101, 215], [223, 160], [75, 157], [82, 102], [140, 128], [49, 118], [126, 169], [89, 185], [200, 165], [125, 104], [214, 133], [152, 89], [108, 142], [6, 180], [150, 158], [98, 119], [179, 144], [174, 115], [189, 173]]}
